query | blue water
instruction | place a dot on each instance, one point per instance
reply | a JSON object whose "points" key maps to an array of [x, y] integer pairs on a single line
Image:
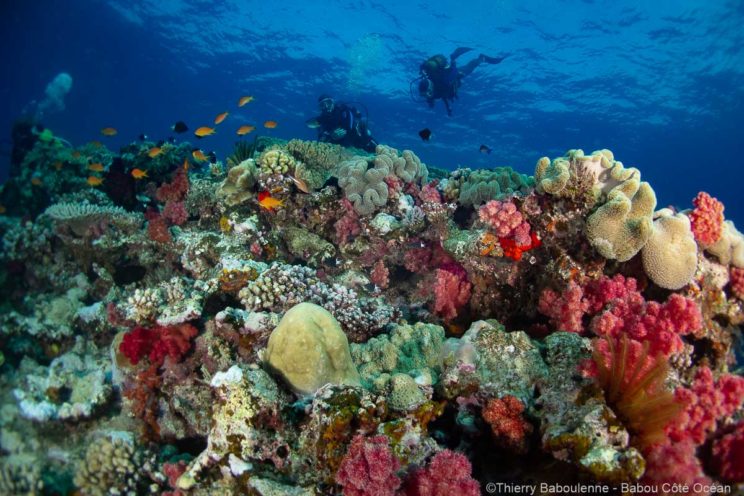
{"points": [[660, 83]]}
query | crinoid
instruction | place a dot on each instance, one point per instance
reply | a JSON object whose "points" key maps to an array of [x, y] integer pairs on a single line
{"points": [[633, 383], [242, 151]]}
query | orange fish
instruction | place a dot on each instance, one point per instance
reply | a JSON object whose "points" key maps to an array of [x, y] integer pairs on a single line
{"points": [[94, 181], [154, 151], [58, 165], [97, 167], [270, 124], [301, 185], [109, 131], [36, 181], [244, 99], [138, 173], [269, 202], [204, 131], [186, 164], [242, 130], [221, 117], [199, 155]]}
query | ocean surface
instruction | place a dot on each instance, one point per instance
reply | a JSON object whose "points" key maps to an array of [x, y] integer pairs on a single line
{"points": [[661, 83]]}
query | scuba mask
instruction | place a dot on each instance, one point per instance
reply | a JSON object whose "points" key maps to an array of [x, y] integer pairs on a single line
{"points": [[326, 105], [426, 87]]}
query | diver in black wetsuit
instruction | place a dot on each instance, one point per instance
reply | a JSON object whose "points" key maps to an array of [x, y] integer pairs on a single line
{"points": [[440, 79], [342, 124]]}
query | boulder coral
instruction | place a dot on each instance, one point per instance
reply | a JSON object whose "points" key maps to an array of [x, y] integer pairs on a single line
{"points": [[670, 255]]}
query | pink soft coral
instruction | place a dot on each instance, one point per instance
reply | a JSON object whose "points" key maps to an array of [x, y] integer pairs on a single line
{"points": [[728, 455], [175, 190], [674, 463], [451, 292], [448, 474], [506, 221], [706, 219], [175, 213], [737, 282], [706, 402], [368, 469], [565, 310]]}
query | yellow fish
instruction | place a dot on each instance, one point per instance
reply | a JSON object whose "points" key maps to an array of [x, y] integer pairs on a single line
{"points": [[269, 202], [97, 167], [154, 151], [109, 131], [94, 181], [204, 131], [199, 155], [270, 124], [243, 130], [138, 173], [221, 117], [245, 99], [186, 164]]}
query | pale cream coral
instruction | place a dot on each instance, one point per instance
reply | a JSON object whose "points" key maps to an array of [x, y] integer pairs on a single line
{"points": [[309, 349], [670, 255], [237, 187], [730, 247], [276, 161], [363, 186]]}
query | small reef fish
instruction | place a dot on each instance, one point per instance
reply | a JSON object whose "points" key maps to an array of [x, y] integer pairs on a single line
{"points": [[58, 165], [204, 131], [270, 124], [154, 151], [244, 99], [199, 155], [94, 181], [180, 127], [109, 131], [96, 144], [3, 209], [301, 185], [138, 173], [312, 123], [484, 149], [36, 181], [243, 130], [269, 202], [97, 167], [186, 164], [221, 117], [142, 137], [425, 134], [76, 154]]}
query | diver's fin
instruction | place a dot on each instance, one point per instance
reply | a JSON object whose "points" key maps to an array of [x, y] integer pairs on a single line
{"points": [[459, 51], [492, 60]]}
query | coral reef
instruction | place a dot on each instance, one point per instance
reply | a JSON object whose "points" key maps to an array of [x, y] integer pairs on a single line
{"points": [[306, 321]]}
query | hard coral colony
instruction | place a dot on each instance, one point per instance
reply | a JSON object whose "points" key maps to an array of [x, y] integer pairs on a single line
{"points": [[383, 329]]}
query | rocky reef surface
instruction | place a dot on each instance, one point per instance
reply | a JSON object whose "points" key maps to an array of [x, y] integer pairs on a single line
{"points": [[376, 327]]}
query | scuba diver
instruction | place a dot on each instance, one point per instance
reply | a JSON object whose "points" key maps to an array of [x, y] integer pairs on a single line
{"points": [[342, 124], [439, 79]]}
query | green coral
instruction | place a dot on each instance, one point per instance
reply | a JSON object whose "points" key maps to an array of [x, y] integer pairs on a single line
{"points": [[315, 160], [407, 166], [364, 186], [307, 246], [275, 161], [482, 185]]}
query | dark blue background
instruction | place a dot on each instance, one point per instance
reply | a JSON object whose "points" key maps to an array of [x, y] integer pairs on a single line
{"points": [[663, 90]]}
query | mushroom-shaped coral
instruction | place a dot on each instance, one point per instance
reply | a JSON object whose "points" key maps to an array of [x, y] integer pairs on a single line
{"points": [[670, 255], [237, 187], [309, 349], [363, 186], [407, 167], [622, 225]]}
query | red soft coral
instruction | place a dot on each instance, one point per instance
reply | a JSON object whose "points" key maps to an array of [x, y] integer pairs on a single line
{"points": [[451, 292], [505, 220], [157, 229], [380, 275], [368, 469], [706, 402], [728, 455], [674, 463], [737, 282], [347, 227], [505, 418], [447, 474], [176, 190], [565, 310], [136, 344], [157, 343], [175, 213], [706, 219]]}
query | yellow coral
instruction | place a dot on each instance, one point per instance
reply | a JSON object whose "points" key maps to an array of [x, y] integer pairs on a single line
{"points": [[276, 161], [670, 255]]}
